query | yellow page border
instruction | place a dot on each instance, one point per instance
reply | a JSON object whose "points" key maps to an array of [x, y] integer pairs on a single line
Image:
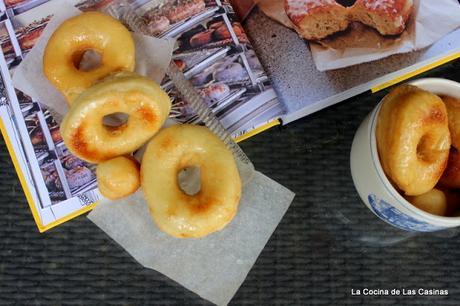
{"points": [[416, 72], [27, 192], [258, 130]]}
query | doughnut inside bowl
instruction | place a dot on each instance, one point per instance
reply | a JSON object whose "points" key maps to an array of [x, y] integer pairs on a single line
{"points": [[374, 187]]}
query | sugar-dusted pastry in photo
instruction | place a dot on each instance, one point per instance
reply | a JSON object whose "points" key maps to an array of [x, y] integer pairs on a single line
{"points": [[388, 17], [317, 19], [215, 92], [178, 10], [157, 24]]}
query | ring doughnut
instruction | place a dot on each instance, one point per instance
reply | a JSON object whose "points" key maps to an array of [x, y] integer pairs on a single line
{"points": [[413, 138], [190, 216], [145, 103], [451, 176], [118, 177], [453, 113], [88, 31]]}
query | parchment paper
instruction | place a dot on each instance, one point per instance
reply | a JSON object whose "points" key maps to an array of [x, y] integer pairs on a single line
{"points": [[152, 58], [215, 266], [430, 21]]}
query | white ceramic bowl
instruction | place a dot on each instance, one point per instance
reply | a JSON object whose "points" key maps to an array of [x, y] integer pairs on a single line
{"points": [[374, 188]]}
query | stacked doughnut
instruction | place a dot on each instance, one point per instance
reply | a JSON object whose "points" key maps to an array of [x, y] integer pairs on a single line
{"points": [[94, 130], [316, 19], [414, 133]]}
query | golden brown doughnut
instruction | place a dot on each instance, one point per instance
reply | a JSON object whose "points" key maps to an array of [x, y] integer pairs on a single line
{"points": [[88, 31], [190, 216], [451, 176], [84, 132], [413, 138], [453, 113]]}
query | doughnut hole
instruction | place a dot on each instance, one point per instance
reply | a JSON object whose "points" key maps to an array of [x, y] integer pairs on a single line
{"points": [[433, 202], [87, 60], [118, 177], [430, 145], [115, 122], [427, 149], [189, 180]]}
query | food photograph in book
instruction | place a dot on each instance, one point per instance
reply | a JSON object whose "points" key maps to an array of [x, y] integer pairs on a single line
{"points": [[65, 175], [215, 54], [212, 50], [65, 183]]}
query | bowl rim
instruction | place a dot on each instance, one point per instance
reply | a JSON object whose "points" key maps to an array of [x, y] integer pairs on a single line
{"points": [[422, 83]]}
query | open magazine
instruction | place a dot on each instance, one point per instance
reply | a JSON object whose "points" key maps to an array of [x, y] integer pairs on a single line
{"points": [[214, 53]]}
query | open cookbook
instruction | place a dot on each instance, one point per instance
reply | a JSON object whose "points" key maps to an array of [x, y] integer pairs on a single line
{"points": [[212, 50]]}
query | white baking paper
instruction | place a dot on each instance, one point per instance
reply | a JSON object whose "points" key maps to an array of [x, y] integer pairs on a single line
{"points": [[433, 20], [213, 267], [152, 58]]}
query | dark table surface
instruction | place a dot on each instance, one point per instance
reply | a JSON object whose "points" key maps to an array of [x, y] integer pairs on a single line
{"points": [[327, 244]]}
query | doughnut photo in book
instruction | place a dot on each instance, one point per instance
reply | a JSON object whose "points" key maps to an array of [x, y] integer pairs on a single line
{"points": [[345, 24]]}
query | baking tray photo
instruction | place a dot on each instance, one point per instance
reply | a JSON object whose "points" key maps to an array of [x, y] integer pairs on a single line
{"points": [[52, 179], [28, 35], [215, 32], [247, 110], [6, 42], [36, 134], [191, 63], [79, 175], [21, 6], [26, 104], [53, 127], [173, 17]]}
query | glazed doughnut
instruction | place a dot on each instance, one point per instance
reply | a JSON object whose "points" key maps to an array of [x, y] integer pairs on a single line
{"points": [[118, 177], [451, 176], [190, 216], [389, 17], [413, 138], [453, 113], [84, 132], [433, 202], [88, 31]]}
